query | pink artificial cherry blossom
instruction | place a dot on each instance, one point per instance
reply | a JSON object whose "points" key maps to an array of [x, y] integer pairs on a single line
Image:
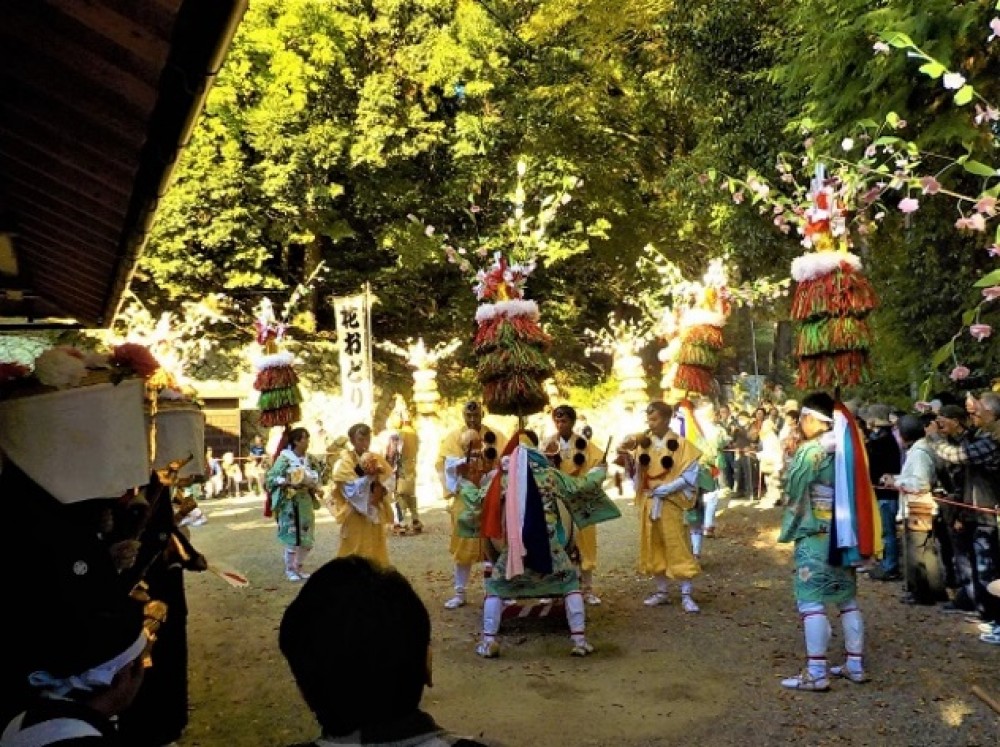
{"points": [[958, 373], [931, 186], [980, 331]]}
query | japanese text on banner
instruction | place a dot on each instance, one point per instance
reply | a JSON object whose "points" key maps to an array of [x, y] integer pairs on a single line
{"points": [[354, 343]]}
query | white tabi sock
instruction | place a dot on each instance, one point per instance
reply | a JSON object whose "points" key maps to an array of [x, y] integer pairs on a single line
{"points": [[290, 556]]}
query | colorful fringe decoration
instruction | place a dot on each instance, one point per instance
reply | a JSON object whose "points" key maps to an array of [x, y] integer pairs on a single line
{"points": [[693, 355], [516, 394], [698, 355], [832, 297], [280, 398], [503, 331], [832, 335], [705, 335], [842, 292], [692, 379], [838, 369], [511, 347], [518, 357]]}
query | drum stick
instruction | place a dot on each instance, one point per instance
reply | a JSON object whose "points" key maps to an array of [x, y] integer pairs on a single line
{"points": [[607, 450]]}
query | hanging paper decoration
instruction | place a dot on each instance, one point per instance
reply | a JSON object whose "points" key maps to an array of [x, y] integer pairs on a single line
{"points": [[510, 345], [695, 334], [832, 298], [280, 399]]}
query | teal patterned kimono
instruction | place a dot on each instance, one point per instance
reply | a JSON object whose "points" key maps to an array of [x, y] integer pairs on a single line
{"points": [[808, 491], [582, 497], [294, 507]]}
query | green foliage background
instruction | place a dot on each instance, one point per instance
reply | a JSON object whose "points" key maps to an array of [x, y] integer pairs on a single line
{"points": [[334, 121]]}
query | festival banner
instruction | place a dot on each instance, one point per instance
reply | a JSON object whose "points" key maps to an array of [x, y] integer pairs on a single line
{"points": [[354, 343]]}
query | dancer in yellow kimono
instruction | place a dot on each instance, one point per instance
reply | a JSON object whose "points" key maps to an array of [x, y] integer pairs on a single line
{"points": [[481, 445], [363, 482], [664, 469], [575, 455]]}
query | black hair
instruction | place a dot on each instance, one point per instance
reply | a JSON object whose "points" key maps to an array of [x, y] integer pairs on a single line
{"points": [[357, 428], [911, 427], [295, 435], [356, 639], [565, 411], [820, 402], [665, 410]]}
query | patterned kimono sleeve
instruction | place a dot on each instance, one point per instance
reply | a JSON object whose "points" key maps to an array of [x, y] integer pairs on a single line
{"points": [[276, 482], [802, 473], [471, 512]]}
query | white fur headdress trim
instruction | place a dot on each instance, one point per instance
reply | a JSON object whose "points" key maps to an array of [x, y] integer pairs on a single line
{"points": [[700, 317], [816, 264], [275, 360], [510, 309]]}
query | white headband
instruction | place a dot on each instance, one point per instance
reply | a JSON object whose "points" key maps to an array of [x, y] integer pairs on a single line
{"points": [[99, 676], [816, 414]]}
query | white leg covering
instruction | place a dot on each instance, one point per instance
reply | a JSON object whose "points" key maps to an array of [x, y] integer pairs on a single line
{"points": [[817, 631], [462, 572], [711, 501], [696, 537], [290, 557], [854, 635], [661, 583], [576, 614], [686, 587], [301, 553], [586, 580], [492, 612]]}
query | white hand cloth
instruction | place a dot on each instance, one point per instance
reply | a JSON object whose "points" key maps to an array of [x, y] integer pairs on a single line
{"points": [[452, 480], [657, 510], [358, 493]]}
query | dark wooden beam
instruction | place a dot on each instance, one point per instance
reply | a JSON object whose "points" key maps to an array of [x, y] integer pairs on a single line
{"points": [[119, 28], [11, 161], [49, 155]]}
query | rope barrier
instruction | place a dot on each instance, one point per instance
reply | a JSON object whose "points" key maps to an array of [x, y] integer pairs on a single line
{"points": [[967, 507]]}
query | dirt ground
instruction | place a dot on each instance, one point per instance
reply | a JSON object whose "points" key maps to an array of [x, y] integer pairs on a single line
{"points": [[659, 676]]}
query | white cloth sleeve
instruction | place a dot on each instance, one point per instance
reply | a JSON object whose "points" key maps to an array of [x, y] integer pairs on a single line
{"points": [[389, 483], [452, 479], [685, 483], [358, 493]]}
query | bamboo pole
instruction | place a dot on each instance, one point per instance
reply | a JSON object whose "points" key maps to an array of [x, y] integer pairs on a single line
{"points": [[986, 698]]}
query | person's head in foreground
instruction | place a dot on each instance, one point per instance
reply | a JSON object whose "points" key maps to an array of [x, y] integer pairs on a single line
{"points": [[90, 658], [357, 639]]}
